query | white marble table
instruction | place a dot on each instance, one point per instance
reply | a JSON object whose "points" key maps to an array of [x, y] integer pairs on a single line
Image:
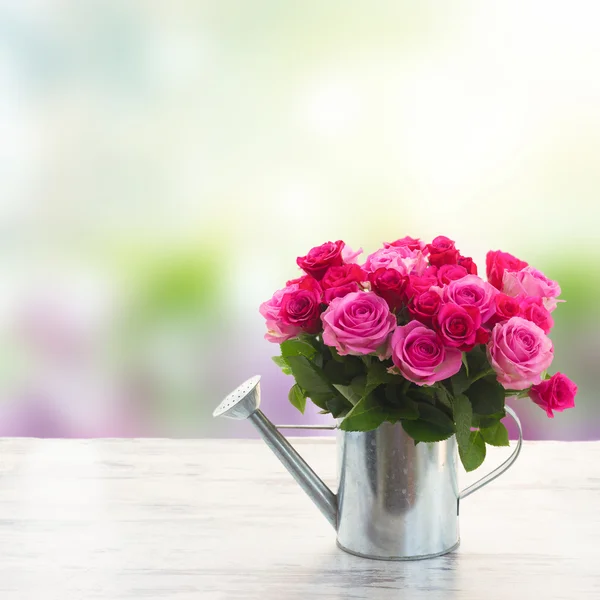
{"points": [[222, 519]]}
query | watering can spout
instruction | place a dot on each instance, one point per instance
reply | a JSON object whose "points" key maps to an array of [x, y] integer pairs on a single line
{"points": [[243, 403]]}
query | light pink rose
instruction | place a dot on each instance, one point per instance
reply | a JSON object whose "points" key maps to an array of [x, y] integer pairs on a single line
{"points": [[420, 356], [358, 323], [400, 258], [349, 256], [519, 351], [531, 282], [471, 290], [277, 331]]}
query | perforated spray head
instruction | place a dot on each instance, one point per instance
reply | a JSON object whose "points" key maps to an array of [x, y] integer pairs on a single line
{"points": [[242, 402]]}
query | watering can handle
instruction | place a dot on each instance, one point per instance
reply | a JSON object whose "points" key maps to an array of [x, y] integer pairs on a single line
{"points": [[503, 467]]}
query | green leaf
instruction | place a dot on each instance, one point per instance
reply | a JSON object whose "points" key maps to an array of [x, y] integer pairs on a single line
{"points": [[460, 381], [484, 421], [423, 393], [441, 393], [336, 373], [496, 435], [463, 415], [435, 415], [474, 454], [477, 360], [297, 347], [311, 379], [378, 375], [398, 405], [338, 407], [433, 425], [282, 364], [425, 431], [353, 392], [486, 396], [368, 414], [297, 397]]}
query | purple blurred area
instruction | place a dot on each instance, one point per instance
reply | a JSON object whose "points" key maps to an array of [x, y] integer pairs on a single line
{"points": [[162, 165]]}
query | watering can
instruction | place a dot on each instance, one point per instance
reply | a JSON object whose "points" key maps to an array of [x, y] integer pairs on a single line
{"points": [[396, 500]]}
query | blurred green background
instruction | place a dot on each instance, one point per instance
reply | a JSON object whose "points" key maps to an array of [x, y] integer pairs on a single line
{"points": [[162, 164]]}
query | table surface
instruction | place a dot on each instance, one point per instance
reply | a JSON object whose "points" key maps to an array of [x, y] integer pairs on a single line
{"points": [[222, 519]]}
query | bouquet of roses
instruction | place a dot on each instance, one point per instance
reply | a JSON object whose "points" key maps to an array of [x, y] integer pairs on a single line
{"points": [[415, 336]]}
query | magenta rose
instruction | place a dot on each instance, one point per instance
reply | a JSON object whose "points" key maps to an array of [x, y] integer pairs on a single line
{"points": [[457, 326], [468, 264], [519, 351], [420, 355], [533, 309], [339, 281], [442, 251], [418, 285], [425, 306], [448, 273], [320, 258], [497, 263], [505, 307], [389, 284], [302, 307], [472, 291], [358, 323], [557, 393], [531, 282], [407, 242], [337, 276]]}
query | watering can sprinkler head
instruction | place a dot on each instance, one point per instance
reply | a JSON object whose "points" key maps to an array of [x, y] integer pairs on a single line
{"points": [[243, 403]]}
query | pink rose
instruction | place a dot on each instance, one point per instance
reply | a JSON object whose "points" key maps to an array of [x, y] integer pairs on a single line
{"points": [[442, 251], [497, 262], [420, 356], [277, 332], [531, 282], [556, 393], [425, 306], [292, 310], [472, 291], [389, 284], [401, 258], [358, 323], [407, 242], [533, 309], [505, 308], [320, 258], [457, 326], [448, 273], [468, 264], [519, 351]]}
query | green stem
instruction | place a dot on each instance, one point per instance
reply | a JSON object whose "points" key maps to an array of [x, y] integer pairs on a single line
{"points": [[481, 376]]}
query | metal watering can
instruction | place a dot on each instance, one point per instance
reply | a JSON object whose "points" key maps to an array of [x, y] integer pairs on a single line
{"points": [[395, 501]]}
